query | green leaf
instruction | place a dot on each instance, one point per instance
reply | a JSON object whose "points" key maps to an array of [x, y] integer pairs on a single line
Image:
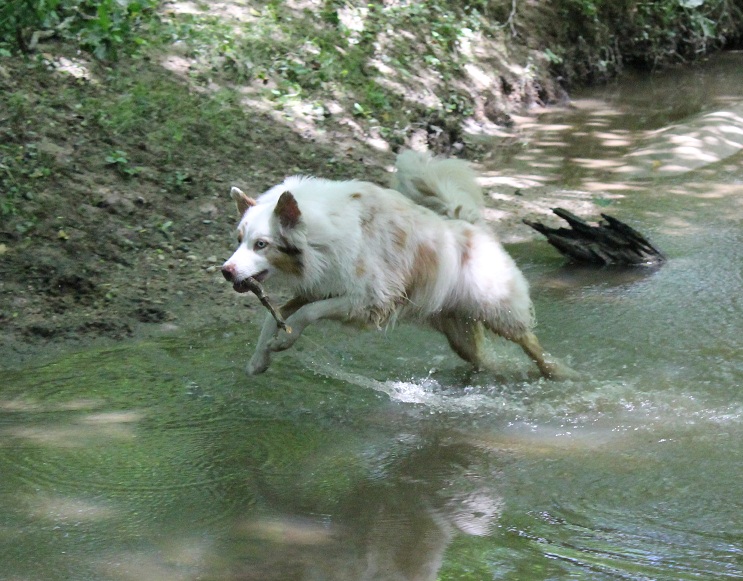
{"points": [[552, 57]]}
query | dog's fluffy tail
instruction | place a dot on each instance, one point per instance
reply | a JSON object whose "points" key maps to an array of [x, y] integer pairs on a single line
{"points": [[446, 186]]}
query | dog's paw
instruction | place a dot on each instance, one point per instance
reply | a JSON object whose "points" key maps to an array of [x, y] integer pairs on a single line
{"points": [[558, 371], [258, 364]]}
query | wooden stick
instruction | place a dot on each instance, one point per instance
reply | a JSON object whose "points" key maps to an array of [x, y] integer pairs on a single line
{"points": [[257, 289]]}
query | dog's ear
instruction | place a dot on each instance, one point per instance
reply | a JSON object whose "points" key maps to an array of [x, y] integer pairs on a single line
{"points": [[287, 211], [242, 200]]}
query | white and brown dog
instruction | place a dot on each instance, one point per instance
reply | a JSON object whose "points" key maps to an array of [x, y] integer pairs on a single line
{"points": [[357, 252]]}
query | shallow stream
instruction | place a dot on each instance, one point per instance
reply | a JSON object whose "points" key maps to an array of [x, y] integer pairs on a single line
{"points": [[379, 456]]}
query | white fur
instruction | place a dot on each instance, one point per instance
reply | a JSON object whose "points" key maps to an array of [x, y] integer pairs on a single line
{"points": [[447, 186], [360, 252]]}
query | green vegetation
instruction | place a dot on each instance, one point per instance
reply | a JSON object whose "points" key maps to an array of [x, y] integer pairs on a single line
{"points": [[143, 118], [352, 50], [335, 43], [595, 40], [22, 166], [102, 27], [378, 54]]}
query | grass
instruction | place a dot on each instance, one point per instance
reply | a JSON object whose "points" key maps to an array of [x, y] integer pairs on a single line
{"points": [[292, 55]]}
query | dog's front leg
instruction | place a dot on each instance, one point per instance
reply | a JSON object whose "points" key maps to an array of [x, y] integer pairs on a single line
{"points": [[261, 358], [335, 308]]}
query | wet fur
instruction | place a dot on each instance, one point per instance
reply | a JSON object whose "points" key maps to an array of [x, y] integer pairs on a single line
{"points": [[357, 252]]}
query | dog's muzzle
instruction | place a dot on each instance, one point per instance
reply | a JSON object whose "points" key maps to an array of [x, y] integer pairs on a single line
{"points": [[230, 274], [228, 271]]}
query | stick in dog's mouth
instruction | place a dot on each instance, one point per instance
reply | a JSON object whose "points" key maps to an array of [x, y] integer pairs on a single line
{"points": [[256, 288]]}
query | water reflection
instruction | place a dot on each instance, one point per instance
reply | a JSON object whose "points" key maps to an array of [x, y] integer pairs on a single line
{"points": [[391, 525]]}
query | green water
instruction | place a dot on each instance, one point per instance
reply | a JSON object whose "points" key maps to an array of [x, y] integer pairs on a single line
{"points": [[378, 456]]}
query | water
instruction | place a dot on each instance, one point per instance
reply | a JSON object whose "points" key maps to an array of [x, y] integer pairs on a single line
{"points": [[380, 456]]}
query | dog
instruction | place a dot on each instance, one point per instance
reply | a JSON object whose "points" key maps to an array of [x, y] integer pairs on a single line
{"points": [[357, 252]]}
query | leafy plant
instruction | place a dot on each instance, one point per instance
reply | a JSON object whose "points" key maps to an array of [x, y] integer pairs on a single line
{"points": [[120, 162], [103, 27], [598, 38], [113, 25], [18, 16], [180, 180]]}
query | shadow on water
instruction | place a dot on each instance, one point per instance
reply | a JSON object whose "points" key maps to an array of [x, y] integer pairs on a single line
{"points": [[365, 455]]}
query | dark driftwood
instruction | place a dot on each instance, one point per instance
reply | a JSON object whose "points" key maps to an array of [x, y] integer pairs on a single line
{"points": [[610, 242]]}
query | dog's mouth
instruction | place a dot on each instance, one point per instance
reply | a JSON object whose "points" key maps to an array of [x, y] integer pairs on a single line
{"points": [[243, 286]]}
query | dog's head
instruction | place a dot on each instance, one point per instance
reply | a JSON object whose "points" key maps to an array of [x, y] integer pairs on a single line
{"points": [[270, 234]]}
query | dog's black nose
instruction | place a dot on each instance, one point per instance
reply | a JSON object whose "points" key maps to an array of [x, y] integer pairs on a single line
{"points": [[228, 271]]}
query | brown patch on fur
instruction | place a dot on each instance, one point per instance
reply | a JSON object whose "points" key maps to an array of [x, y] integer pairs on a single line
{"points": [[399, 237], [287, 211], [425, 267], [356, 196], [360, 268], [365, 221], [289, 262], [466, 249]]}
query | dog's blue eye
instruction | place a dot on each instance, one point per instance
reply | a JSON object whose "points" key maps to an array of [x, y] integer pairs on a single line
{"points": [[260, 244]]}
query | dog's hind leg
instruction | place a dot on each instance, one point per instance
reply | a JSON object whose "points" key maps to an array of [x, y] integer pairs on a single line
{"points": [[548, 366], [465, 336], [261, 358]]}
